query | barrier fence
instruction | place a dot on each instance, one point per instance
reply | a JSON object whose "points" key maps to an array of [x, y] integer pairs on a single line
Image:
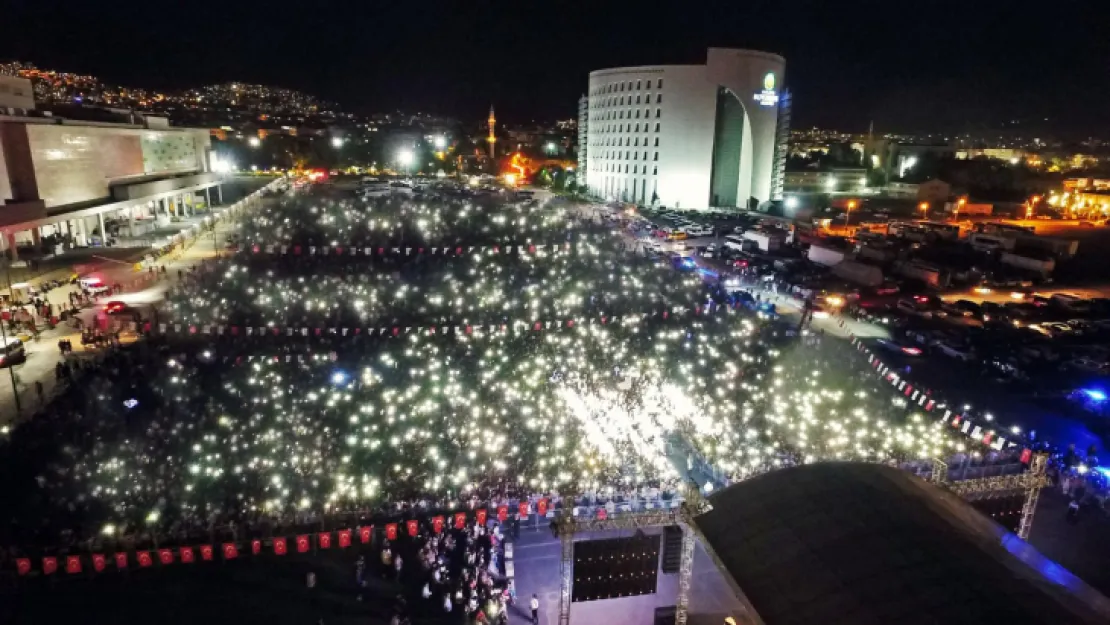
{"points": [[338, 532]]}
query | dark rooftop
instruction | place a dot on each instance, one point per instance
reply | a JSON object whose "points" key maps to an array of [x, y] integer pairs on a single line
{"points": [[871, 545]]}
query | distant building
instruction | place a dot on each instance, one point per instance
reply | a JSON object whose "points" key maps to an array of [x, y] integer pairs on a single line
{"points": [[690, 136], [583, 139], [16, 93], [66, 176], [935, 192], [843, 180]]}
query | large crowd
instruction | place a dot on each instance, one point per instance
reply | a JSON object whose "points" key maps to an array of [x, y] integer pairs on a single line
{"points": [[645, 375]]}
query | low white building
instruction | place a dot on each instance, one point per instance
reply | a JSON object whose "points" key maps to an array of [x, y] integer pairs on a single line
{"points": [[686, 136]]}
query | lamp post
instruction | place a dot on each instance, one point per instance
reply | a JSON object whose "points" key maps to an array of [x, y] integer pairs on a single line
{"points": [[848, 215], [405, 157], [959, 204], [924, 208]]}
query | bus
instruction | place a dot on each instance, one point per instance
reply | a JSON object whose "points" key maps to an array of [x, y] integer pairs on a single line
{"points": [[999, 227], [941, 230]]}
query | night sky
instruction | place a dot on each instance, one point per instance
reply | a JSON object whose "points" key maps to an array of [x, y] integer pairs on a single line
{"points": [[920, 66]]}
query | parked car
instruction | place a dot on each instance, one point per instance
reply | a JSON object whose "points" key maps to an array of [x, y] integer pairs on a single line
{"points": [[956, 350]]}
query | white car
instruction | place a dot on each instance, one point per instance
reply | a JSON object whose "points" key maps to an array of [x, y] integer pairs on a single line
{"points": [[699, 231]]}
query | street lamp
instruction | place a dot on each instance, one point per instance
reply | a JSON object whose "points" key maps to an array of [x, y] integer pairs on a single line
{"points": [[440, 142], [254, 142], [337, 142], [405, 157], [830, 184], [848, 215], [924, 208]]}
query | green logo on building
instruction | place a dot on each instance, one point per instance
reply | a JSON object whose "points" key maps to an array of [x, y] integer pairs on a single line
{"points": [[769, 82]]}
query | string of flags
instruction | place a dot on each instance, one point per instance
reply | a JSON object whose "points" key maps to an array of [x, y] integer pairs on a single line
{"points": [[401, 250], [468, 330], [959, 421], [277, 546]]}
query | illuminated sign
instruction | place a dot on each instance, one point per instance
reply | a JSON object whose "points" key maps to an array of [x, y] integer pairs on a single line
{"points": [[768, 97]]}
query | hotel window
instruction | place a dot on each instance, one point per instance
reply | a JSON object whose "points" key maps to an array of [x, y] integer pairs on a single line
{"points": [[637, 113], [658, 113], [655, 170], [657, 127], [660, 84], [657, 141], [656, 156], [637, 99], [637, 85], [645, 156], [658, 98]]}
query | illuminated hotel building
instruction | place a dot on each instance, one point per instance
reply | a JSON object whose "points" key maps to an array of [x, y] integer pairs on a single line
{"points": [[687, 136]]}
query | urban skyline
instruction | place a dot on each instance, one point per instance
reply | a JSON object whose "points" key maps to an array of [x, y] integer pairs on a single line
{"points": [[850, 66]]}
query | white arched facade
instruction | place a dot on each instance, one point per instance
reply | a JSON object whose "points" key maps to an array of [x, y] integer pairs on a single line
{"points": [[653, 129]]}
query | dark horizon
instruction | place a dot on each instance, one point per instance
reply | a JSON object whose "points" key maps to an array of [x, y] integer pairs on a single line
{"points": [[949, 67]]}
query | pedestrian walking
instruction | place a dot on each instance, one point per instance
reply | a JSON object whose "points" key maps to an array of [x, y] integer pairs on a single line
{"points": [[535, 605]]}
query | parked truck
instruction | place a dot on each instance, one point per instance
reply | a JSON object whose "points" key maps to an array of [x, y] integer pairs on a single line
{"points": [[1058, 247], [858, 273], [827, 256], [928, 274], [766, 241], [1040, 265]]}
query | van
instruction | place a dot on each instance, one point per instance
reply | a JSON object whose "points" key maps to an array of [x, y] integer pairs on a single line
{"points": [[734, 242]]}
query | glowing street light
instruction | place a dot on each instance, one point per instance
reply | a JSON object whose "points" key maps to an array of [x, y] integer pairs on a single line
{"points": [[959, 204], [254, 142], [405, 158], [830, 184], [337, 142], [924, 208], [440, 142], [848, 215], [791, 202]]}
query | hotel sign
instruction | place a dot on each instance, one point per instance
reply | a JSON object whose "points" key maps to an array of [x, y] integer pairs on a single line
{"points": [[768, 97]]}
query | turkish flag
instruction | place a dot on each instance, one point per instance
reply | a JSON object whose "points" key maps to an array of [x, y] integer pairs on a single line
{"points": [[302, 543], [391, 531], [256, 547], [480, 514], [541, 507], [602, 514], [413, 527], [502, 513], [165, 556], [437, 524], [121, 559], [323, 540], [460, 520], [98, 562], [524, 508], [279, 546], [23, 566], [206, 553], [496, 249], [144, 558], [365, 534], [186, 555], [537, 326], [296, 249], [1026, 456], [230, 551], [73, 564], [49, 566], [531, 249], [344, 539], [570, 323], [458, 251]]}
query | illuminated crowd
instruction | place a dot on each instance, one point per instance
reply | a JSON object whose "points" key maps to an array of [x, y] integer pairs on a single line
{"points": [[184, 431]]}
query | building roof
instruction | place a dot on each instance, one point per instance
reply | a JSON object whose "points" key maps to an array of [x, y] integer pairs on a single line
{"points": [[871, 545]]}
